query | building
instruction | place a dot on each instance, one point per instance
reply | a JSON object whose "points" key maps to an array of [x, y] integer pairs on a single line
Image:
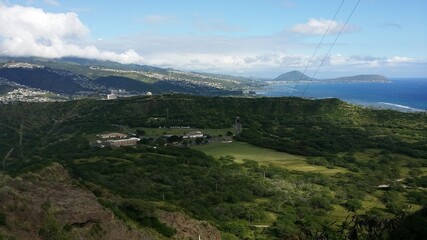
{"points": [[123, 142], [111, 96], [193, 134], [112, 135]]}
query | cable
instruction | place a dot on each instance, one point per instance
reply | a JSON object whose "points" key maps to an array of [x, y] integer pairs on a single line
{"points": [[330, 48], [318, 46]]}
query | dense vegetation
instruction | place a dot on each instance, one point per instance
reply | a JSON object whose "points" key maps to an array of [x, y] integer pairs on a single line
{"points": [[245, 200], [137, 86]]}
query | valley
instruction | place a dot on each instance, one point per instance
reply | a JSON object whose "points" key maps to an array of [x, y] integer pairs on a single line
{"points": [[299, 168], [213, 120]]}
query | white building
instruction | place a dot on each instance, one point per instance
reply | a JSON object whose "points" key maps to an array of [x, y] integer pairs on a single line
{"points": [[111, 96], [193, 134], [112, 135], [123, 142]]}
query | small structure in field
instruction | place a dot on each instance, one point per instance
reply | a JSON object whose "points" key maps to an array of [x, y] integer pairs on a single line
{"points": [[193, 134]]}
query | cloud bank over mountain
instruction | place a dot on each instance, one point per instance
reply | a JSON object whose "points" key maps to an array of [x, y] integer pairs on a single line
{"points": [[28, 31]]}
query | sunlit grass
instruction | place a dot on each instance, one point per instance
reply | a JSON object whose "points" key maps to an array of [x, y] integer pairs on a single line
{"points": [[241, 151]]}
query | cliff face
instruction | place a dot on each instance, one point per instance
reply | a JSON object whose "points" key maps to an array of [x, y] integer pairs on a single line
{"points": [[46, 205], [188, 228]]}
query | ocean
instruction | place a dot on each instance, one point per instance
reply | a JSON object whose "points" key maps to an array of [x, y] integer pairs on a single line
{"points": [[407, 94]]}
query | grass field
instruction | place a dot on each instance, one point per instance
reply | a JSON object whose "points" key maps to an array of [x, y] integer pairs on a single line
{"points": [[241, 151]]}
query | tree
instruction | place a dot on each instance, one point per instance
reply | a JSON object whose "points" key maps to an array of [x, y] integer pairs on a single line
{"points": [[353, 205], [173, 138], [140, 132], [160, 141], [199, 140]]}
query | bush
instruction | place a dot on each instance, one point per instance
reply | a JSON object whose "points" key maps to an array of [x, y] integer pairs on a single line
{"points": [[237, 228], [353, 205], [3, 221], [143, 215], [417, 197], [321, 202]]}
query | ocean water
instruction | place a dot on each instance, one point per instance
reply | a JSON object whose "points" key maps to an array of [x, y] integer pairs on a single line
{"points": [[401, 94]]}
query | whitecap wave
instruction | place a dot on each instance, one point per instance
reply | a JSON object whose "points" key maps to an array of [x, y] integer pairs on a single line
{"points": [[401, 106]]}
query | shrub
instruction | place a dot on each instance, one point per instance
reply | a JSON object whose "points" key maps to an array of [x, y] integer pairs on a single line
{"points": [[353, 205], [3, 221]]}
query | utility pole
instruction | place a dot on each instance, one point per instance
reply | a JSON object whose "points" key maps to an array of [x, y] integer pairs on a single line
{"points": [[238, 125]]}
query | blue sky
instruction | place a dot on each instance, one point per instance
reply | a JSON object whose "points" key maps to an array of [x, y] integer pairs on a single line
{"points": [[241, 37]]}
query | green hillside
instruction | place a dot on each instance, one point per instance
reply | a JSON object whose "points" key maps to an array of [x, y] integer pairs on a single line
{"points": [[71, 75], [298, 169]]}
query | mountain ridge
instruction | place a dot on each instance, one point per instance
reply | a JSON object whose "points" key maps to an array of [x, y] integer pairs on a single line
{"points": [[296, 76], [76, 76]]}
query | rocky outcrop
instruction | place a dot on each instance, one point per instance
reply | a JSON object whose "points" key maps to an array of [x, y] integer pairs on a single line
{"points": [[47, 204], [188, 228]]}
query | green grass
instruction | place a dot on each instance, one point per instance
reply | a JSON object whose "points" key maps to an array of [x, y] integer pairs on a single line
{"points": [[269, 220], [370, 202], [339, 213], [241, 151]]}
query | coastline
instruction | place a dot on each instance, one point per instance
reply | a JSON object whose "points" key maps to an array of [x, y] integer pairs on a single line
{"points": [[401, 94]]}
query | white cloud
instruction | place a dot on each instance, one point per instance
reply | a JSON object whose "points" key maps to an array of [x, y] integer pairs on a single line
{"points": [[28, 31], [320, 26], [27, 22], [370, 62], [233, 63], [398, 59], [265, 56]]}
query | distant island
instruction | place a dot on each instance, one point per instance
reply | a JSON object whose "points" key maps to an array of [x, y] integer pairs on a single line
{"points": [[295, 76]]}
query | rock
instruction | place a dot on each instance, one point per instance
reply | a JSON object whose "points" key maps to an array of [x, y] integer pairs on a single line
{"points": [[47, 202], [188, 228]]}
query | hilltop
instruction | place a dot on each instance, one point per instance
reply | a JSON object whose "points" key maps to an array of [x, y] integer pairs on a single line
{"points": [[295, 76], [292, 76]]}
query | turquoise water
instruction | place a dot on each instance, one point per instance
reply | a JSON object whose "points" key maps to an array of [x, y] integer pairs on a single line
{"points": [[400, 94]]}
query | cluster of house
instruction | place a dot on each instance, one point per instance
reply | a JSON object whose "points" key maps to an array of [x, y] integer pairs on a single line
{"points": [[115, 140]]}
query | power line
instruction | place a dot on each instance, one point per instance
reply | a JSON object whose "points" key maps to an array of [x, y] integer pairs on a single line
{"points": [[330, 48], [318, 46]]}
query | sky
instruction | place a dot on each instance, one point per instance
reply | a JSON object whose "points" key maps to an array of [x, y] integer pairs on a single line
{"points": [[260, 38]]}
